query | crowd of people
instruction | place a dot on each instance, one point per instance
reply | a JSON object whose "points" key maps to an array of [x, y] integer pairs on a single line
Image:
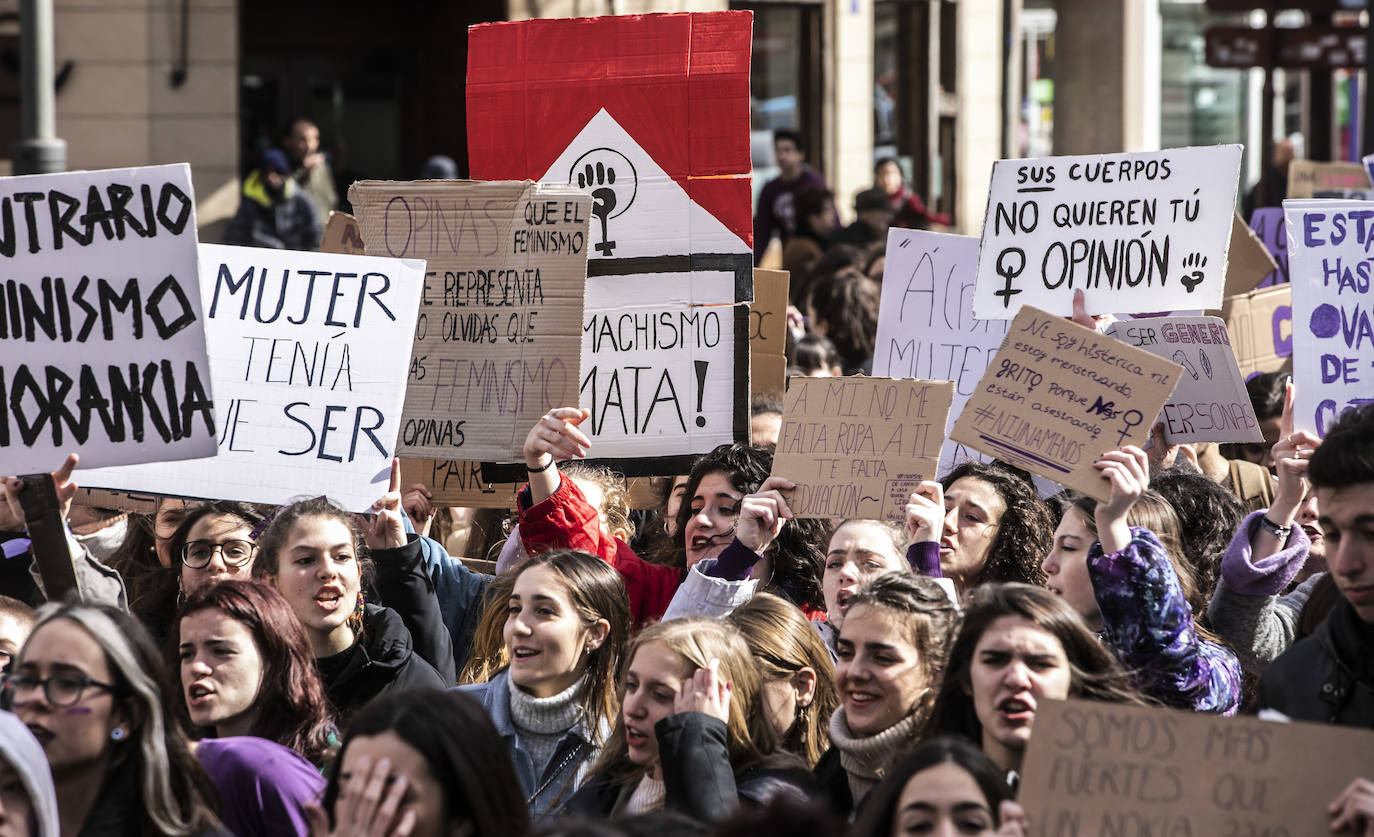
{"points": [[713, 665]]}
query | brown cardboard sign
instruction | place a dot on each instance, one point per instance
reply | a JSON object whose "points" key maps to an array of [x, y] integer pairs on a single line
{"points": [[341, 235], [499, 337], [1094, 768], [457, 483], [1249, 260], [104, 498], [768, 333], [858, 447], [1261, 327], [1310, 179], [1058, 395]]}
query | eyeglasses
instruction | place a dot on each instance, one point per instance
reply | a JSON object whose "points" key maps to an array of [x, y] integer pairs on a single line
{"points": [[59, 689], [197, 554]]}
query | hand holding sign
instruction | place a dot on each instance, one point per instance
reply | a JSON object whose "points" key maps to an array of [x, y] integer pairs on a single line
{"points": [[1353, 810], [387, 528], [1291, 454], [1127, 470], [762, 514], [925, 514]]}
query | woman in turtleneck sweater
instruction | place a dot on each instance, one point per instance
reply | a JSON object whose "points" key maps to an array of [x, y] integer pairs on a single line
{"points": [[892, 649], [566, 622]]}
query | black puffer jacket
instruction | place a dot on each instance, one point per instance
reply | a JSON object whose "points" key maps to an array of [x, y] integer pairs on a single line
{"points": [[383, 662], [1327, 677], [697, 777]]}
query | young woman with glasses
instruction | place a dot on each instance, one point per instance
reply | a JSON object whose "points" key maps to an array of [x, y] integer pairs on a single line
{"points": [[214, 543], [87, 685]]}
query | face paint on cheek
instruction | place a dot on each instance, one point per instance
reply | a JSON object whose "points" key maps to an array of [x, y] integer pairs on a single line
{"points": [[77, 710]]}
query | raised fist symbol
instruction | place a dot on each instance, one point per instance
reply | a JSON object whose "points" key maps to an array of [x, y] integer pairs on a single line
{"points": [[1194, 261], [612, 181], [603, 198]]}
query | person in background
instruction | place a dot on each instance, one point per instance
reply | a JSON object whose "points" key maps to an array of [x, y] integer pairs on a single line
{"points": [[439, 167], [28, 802], [1267, 391], [16, 621], [843, 307], [816, 357], [874, 217], [214, 542], [815, 213], [945, 787], [765, 420], [273, 210], [776, 213], [309, 166], [909, 210]]}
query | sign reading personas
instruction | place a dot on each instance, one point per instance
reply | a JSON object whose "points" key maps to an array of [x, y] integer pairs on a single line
{"points": [[926, 327], [1333, 338], [1210, 403], [1057, 396], [1135, 232], [102, 339], [1107, 768], [499, 329], [649, 114], [1261, 328], [857, 446], [309, 352]]}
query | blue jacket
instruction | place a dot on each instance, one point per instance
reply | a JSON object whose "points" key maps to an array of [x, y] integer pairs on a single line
{"points": [[548, 791], [462, 594]]}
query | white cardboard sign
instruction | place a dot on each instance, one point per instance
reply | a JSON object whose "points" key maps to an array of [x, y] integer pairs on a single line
{"points": [[1333, 338], [309, 352], [1135, 232], [926, 327], [1210, 403], [102, 342]]}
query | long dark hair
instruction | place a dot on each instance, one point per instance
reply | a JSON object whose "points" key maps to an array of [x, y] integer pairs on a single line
{"points": [[292, 709], [798, 553], [464, 752], [1024, 534], [597, 592], [1094, 672], [847, 302], [881, 808]]}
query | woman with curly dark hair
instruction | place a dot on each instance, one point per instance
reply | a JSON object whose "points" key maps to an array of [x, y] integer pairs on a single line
{"points": [[844, 308], [790, 566], [996, 527]]}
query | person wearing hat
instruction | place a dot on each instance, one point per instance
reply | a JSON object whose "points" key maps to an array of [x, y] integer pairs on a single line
{"points": [[875, 216], [274, 211]]}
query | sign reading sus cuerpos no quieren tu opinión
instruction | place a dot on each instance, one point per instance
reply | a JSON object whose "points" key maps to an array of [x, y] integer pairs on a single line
{"points": [[102, 343], [1095, 768], [1135, 232], [1058, 395], [858, 447], [499, 329], [309, 352], [1210, 403], [926, 327], [1330, 266]]}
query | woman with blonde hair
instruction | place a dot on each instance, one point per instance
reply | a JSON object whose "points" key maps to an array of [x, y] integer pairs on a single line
{"points": [[693, 735], [795, 672]]}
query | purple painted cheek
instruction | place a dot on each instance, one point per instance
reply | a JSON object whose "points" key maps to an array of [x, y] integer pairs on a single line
{"points": [[77, 710]]}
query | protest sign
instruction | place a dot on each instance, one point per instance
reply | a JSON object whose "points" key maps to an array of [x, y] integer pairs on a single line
{"points": [[768, 333], [1248, 261], [1057, 396], [457, 483], [309, 352], [498, 334], [858, 447], [1134, 232], [1261, 328], [341, 235], [1267, 223], [1310, 179], [102, 339], [1095, 768], [1333, 337], [103, 498], [926, 327], [658, 133], [1210, 403]]}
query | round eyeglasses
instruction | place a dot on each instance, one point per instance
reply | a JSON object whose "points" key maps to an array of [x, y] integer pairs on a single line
{"points": [[197, 554]]}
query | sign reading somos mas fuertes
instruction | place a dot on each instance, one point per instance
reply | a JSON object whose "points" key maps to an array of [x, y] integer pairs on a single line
{"points": [[310, 353], [1135, 232], [102, 346]]}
